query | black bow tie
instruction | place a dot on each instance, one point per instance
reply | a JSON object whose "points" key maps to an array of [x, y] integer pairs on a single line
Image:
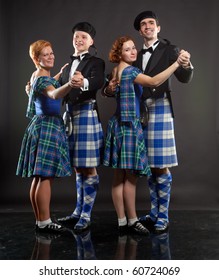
{"points": [[80, 57], [73, 57], [150, 50]]}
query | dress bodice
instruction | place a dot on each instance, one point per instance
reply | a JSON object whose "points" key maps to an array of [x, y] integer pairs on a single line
{"points": [[39, 104]]}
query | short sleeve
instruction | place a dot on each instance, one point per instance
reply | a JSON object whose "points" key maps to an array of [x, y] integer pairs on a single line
{"points": [[44, 82]]}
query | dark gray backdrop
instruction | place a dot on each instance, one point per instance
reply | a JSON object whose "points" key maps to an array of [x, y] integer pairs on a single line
{"points": [[192, 25]]}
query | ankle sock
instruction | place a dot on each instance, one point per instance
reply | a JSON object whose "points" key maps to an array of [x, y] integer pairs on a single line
{"points": [[43, 224], [122, 221], [132, 221]]}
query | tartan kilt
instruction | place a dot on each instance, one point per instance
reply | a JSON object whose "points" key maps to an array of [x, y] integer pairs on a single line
{"points": [[125, 146], [44, 149], [86, 143], [159, 134]]}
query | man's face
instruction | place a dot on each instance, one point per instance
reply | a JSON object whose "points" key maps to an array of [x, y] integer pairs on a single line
{"points": [[81, 41], [149, 29]]}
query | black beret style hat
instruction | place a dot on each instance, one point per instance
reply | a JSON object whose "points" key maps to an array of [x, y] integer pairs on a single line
{"points": [[86, 27], [143, 15]]}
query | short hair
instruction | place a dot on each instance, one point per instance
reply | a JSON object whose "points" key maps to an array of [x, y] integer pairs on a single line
{"points": [[116, 50], [36, 48]]}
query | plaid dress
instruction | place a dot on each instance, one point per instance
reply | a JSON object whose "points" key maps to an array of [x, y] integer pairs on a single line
{"points": [[159, 134], [44, 149], [125, 144]]}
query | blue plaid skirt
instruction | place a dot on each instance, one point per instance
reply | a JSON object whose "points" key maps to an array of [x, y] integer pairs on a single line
{"points": [[44, 150], [159, 134], [86, 143], [125, 146]]}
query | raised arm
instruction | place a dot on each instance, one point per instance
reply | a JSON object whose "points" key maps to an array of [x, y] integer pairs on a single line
{"points": [[160, 78], [56, 93]]}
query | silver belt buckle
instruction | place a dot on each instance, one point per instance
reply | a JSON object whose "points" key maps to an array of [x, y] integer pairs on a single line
{"points": [[68, 123]]}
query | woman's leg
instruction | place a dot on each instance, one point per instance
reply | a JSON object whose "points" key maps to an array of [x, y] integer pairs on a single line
{"points": [[32, 198], [134, 225], [43, 197], [42, 200], [117, 192], [129, 193]]}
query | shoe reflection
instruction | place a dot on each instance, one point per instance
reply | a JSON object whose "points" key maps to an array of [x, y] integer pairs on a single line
{"points": [[119, 247], [41, 250], [85, 248], [127, 247], [160, 246]]}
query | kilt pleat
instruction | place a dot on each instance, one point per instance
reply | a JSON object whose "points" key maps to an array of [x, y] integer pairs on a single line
{"points": [[86, 142], [159, 134]]}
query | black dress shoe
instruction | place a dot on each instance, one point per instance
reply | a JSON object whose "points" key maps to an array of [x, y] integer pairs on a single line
{"points": [[68, 220], [147, 222], [52, 228], [82, 225], [138, 228], [162, 229]]}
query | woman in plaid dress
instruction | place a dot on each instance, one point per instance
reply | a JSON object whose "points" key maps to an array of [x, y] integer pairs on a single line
{"points": [[44, 151], [125, 149]]}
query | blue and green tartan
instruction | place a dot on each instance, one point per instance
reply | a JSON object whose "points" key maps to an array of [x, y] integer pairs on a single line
{"points": [[127, 94], [125, 144], [44, 149]]}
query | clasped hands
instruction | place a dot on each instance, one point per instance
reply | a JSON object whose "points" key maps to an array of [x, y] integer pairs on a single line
{"points": [[184, 59], [77, 80]]}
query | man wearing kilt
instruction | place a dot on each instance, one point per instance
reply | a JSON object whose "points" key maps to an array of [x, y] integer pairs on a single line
{"points": [[125, 148], [155, 56], [83, 126]]}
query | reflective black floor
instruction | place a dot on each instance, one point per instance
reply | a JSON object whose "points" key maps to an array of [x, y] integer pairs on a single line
{"points": [[193, 235]]}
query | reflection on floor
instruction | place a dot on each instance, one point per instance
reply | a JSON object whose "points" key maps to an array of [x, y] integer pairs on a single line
{"points": [[192, 235]]}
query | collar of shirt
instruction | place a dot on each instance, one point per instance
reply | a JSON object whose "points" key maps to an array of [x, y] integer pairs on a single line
{"points": [[75, 64], [147, 55], [153, 46], [80, 56]]}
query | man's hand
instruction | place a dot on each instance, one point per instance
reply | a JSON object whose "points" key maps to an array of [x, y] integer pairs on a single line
{"points": [[111, 88], [184, 59], [27, 88], [77, 80]]}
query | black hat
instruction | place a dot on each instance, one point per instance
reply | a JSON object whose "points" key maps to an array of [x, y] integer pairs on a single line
{"points": [[143, 15], [86, 27]]}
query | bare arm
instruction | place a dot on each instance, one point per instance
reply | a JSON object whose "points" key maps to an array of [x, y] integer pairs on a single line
{"points": [[56, 93], [147, 81], [160, 78]]}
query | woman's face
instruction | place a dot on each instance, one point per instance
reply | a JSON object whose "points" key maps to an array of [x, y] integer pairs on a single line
{"points": [[129, 52], [46, 58]]}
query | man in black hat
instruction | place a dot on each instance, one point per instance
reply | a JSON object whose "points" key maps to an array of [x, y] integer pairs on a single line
{"points": [[157, 115], [85, 133], [157, 55]]}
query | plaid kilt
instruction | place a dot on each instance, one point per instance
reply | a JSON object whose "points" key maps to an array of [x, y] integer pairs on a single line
{"points": [[159, 134], [86, 142], [44, 150], [125, 146]]}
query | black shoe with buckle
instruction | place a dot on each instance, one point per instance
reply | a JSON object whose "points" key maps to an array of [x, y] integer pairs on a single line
{"points": [[138, 228]]}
